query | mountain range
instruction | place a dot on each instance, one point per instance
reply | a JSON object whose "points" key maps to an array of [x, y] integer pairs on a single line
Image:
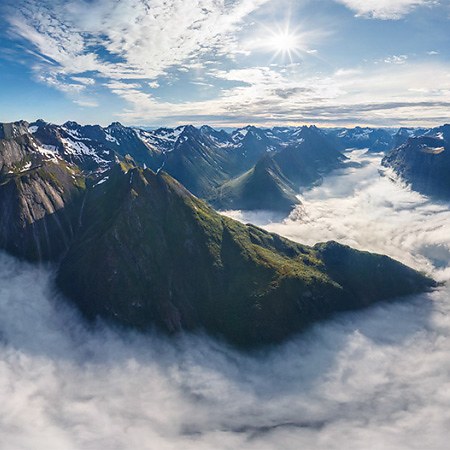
{"points": [[114, 209], [217, 166]]}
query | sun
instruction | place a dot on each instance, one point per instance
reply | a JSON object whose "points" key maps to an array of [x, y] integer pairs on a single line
{"points": [[284, 42]]}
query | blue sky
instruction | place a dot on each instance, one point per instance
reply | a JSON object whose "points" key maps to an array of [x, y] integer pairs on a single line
{"points": [[226, 62]]}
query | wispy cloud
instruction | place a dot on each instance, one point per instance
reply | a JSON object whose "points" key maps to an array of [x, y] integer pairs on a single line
{"points": [[132, 39], [86, 103], [384, 9], [396, 59]]}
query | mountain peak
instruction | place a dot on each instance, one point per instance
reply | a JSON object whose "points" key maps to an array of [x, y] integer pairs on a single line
{"points": [[71, 125], [13, 129], [116, 125]]}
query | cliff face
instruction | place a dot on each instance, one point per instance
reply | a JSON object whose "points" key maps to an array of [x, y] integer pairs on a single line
{"points": [[424, 162], [39, 211], [151, 253], [15, 143], [40, 196]]}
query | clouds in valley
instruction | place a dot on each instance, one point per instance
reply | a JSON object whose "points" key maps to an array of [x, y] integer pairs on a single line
{"points": [[361, 379]]}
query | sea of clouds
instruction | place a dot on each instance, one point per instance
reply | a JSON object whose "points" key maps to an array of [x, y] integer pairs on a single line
{"points": [[376, 379]]}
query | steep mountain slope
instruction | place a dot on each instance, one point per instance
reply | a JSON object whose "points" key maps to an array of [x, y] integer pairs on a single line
{"points": [[199, 162], [148, 252], [203, 159], [309, 157], [403, 134], [15, 143], [424, 162], [250, 144], [263, 187], [39, 209]]}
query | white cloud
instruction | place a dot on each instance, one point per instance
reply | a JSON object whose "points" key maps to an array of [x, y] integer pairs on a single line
{"points": [[86, 103], [146, 38], [362, 209], [132, 46], [384, 9], [409, 94], [396, 59], [83, 80]]}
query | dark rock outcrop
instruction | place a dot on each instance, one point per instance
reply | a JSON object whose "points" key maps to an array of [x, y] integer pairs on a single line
{"points": [[424, 162]]}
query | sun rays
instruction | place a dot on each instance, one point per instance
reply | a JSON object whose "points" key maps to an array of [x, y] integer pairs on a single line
{"points": [[285, 42]]}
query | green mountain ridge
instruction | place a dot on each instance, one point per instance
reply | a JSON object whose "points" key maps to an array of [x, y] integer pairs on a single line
{"points": [[150, 253]]}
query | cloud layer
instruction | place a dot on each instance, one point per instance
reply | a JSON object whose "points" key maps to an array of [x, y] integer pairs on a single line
{"points": [[373, 379], [172, 61]]}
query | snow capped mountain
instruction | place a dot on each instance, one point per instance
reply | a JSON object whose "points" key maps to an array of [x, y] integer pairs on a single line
{"points": [[374, 139], [73, 143], [203, 158]]}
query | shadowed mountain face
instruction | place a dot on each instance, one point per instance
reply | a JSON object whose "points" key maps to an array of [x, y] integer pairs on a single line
{"points": [[403, 134], [137, 248], [217, 166], [423, 161], [264, 187]]}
